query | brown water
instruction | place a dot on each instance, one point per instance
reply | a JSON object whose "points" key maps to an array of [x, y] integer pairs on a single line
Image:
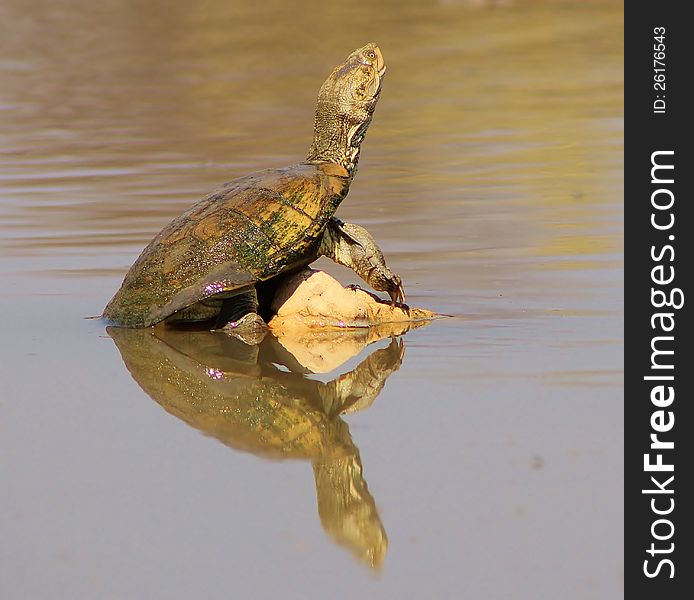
{"points": [[492, 179]]}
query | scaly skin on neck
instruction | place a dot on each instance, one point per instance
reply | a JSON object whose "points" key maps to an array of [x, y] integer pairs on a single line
{"points": [[346, 103]]}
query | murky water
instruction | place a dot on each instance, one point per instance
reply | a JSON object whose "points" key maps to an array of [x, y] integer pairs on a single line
{"points": [[482, 456]]}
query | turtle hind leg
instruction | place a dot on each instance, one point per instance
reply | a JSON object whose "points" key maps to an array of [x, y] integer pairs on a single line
{"points": [[239, 317]]}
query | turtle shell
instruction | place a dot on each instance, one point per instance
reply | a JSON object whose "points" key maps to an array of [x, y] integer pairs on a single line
{"points": [[252, 229]]}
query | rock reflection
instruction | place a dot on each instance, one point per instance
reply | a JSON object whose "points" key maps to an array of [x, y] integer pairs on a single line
{"points": [[258, 399]]}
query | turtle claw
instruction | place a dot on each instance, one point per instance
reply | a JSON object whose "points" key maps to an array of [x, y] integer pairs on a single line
{"points": [[397, 294]]}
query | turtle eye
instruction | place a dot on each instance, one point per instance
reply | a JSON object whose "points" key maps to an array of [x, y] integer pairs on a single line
{"points": [[371, 55]]}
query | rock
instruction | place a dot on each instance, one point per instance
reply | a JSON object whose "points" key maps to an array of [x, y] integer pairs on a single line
{"points": [[323, 324], [315, 300]]}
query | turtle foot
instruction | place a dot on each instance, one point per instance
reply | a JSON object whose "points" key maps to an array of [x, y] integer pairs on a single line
{"points": [[250, 329]]}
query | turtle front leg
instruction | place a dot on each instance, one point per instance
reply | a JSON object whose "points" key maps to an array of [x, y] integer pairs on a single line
{"points": [[354, 247]]}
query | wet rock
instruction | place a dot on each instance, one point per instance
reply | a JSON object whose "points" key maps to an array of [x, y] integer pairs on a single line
{"points": [[315, 300]]}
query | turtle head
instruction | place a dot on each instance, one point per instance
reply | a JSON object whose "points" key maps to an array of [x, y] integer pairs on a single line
{"points": [[346, 103]]}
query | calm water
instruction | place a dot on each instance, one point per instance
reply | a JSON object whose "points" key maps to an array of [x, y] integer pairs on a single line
{"points": [[490, 463]]}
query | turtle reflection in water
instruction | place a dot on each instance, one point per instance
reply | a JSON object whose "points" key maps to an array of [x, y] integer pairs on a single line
{"points": [[237, 394]]}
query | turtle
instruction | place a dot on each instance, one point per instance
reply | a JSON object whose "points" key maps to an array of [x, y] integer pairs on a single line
{"points": [[221, 260]]}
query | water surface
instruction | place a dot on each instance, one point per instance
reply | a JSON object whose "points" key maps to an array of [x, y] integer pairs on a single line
{"points": [[491, 177]]}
